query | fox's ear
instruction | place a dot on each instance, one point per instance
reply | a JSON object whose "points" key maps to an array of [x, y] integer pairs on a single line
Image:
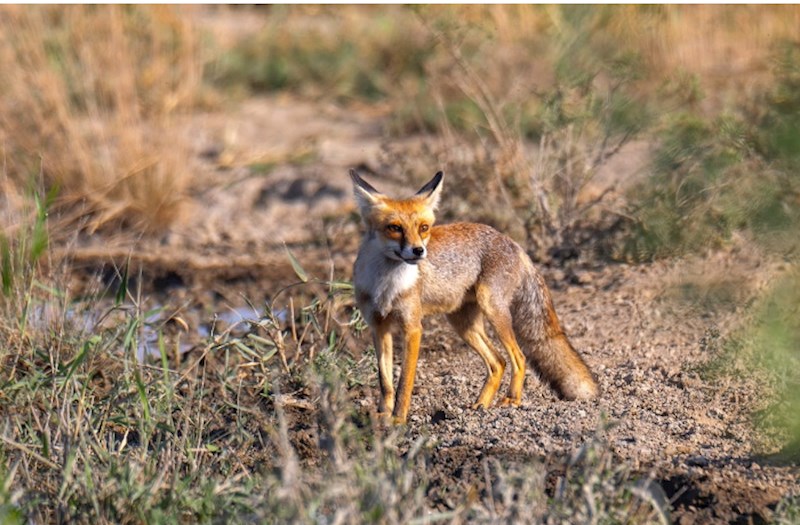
{"points": [[432, 190], [366, 195]]}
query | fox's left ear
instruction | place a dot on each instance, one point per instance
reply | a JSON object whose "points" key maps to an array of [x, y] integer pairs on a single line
{"points": [[432, 190]]}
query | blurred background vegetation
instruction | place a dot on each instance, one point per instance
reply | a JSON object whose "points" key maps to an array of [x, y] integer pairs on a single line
{"points": [[549, 92], [543, 95]]}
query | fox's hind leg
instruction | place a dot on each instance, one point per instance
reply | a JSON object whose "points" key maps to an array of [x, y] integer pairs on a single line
{"points": [[468, 322], [499, 315]]}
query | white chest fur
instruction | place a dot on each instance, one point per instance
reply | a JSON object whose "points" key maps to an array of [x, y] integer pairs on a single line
{"points": [[382, 279]]}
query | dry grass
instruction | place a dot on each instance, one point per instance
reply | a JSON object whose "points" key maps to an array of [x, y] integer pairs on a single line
{"points": [[727, 47], [90, 92], [262, 426], [730, 48], [601, 77], [259, 426], [88, 97]]}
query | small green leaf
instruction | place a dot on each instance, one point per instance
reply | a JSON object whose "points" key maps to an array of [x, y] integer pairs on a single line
{"points": [[345, 286], [269, 355], [259, 339], [162, 349], [142, 396], [298, 270], [245, 349], [122, 291], [11, 515]]}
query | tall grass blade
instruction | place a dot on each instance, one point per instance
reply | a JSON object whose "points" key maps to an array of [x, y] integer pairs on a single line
{"points": [[6, 269], [39, 236], [140, 388], [67, 473], [162, 349], [129, 342], [80, 358]]}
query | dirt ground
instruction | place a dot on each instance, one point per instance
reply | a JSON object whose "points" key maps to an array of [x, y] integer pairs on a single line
{"points": [[655, 412], [273, 172]]}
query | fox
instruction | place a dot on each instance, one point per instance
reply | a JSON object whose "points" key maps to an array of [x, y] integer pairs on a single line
{"points": [[407, 268]]}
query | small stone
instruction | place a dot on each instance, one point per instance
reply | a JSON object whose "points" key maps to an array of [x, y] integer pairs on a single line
{"points": [[438, 417], [698, 461]]}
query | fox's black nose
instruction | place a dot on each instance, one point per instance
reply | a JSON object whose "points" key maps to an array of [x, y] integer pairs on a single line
{"points": [[419, 251]]}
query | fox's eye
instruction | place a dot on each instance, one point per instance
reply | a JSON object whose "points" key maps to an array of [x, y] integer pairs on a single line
{"points": [[394, 228], [424, 228]]}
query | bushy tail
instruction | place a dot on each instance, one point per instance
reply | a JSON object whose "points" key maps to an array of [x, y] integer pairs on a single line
{"points": [[544, 344]]}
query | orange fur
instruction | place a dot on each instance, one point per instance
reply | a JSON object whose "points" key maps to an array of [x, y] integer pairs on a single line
{"points": [[408, 268]]}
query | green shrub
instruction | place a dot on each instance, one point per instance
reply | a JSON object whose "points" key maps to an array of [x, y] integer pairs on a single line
{"points": [[775, 340], [341, 54], [711, 177]]}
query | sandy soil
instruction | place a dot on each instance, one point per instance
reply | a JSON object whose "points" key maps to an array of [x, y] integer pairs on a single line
{"points": [[274, 171], [655, 411]]}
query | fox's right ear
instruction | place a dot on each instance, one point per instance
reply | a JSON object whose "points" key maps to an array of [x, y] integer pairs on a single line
{"points": [[366, 195]]}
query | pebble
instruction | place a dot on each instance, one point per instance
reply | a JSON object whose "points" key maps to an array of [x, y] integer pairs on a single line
{"points": [[697, 461]]}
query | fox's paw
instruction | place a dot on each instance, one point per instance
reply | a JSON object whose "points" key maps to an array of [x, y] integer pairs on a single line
{"points": [[509, 402], [398, 421], [478, 406], [384, 418]]}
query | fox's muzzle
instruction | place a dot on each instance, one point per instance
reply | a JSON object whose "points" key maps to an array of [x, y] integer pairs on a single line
{"points": [[412, 255]]}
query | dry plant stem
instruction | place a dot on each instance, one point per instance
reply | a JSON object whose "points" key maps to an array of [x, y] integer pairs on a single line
{"points": [[35, 455], [282, 351], [538, 186], [292, 320], [475, 88]]}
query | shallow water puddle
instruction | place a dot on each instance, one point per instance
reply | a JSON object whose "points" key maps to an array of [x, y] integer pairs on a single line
{"points": [[155, 331], [234, 320]]}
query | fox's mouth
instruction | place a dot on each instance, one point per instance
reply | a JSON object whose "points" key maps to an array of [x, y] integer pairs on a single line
{"points": [[409, 260]]}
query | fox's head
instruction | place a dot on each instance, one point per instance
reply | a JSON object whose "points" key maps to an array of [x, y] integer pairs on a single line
{"points": [[402, 227]]}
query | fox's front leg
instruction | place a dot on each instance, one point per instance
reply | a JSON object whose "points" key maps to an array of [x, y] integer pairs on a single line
{"points": [[382, 335], [413, 336]]}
